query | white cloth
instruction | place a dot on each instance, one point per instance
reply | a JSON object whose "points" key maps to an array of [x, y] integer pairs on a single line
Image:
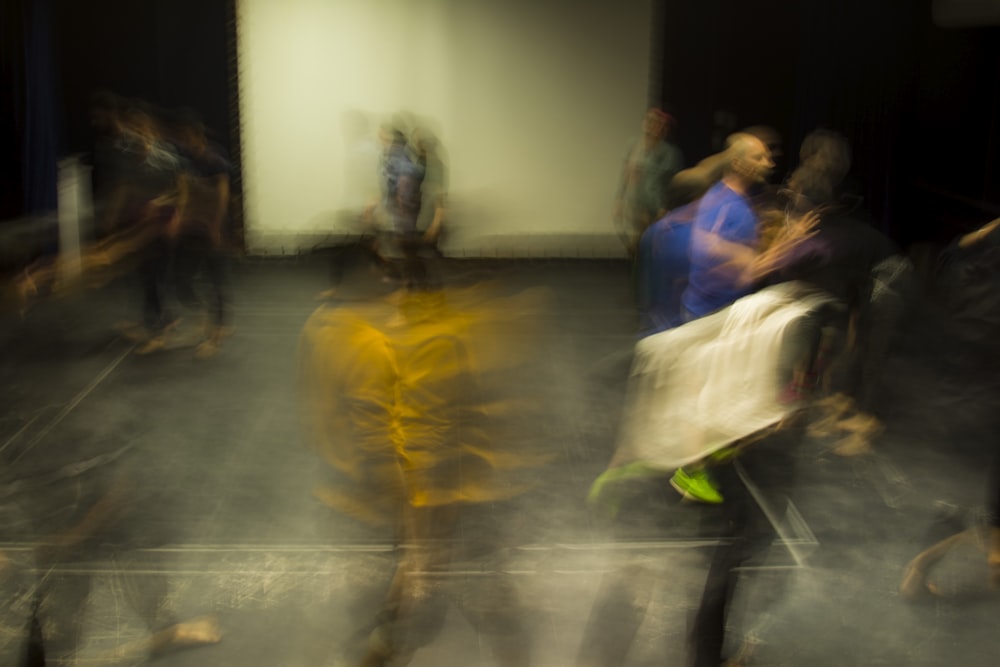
{"points": [[704, 385]]}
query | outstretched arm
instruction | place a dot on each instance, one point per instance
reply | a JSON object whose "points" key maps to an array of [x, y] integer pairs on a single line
{"points": [[975, 237], [750, 264]]}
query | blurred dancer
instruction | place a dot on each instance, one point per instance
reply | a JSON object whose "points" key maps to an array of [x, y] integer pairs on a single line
{"points": [[198, 231], [393, 401], [978, 252], [714, 387], [148, 200], [727, 260], [875, 284], [711, 392], [691, 184], [395, 216], [76, 508], [650, 163], [132, 225], [431, 157]]}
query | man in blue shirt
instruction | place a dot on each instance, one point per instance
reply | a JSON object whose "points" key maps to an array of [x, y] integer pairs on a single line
{"points": [[724, 237], [726, 258]]}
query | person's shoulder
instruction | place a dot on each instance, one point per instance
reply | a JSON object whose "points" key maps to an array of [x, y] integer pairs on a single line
{"points": [[717, 196]]}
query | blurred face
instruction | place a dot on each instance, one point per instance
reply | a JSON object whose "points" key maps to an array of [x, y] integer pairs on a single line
{"points": [[756, 163], [195, 140], [654, 125]]}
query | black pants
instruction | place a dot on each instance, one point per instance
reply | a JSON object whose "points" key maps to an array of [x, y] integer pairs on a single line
{"points": [[154, 271], [877, 327], [194, 257], [747, 535]]}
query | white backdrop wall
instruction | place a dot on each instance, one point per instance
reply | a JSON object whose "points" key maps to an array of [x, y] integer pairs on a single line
{"points": [[534, 102]]}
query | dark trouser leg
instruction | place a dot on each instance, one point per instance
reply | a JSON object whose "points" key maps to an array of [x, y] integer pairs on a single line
{"points": [[217, 272], [187, 258], [615, 618], [708, 629], [878, 326], [414, 269], [153, 273], [748, 534], [414, 610], [883, 326], [194, 255], [799, 355]]}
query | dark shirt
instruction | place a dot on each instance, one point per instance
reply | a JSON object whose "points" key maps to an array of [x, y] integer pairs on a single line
{"points": [[840, 257]]}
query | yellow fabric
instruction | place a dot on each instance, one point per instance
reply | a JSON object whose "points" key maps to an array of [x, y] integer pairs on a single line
{"points": [[391, 399]]}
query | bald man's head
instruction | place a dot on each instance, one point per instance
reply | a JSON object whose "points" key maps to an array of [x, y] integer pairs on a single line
{"points": [[748, 158]]}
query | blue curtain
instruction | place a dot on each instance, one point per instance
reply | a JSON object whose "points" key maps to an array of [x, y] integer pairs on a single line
{"points": [[41, 111]]}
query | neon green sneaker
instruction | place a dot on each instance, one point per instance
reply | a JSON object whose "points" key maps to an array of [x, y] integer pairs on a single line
{"points": [[695, 484], [609, 490], [724, 455]]}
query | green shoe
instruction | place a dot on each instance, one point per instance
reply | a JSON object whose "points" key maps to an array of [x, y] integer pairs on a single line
{"points": [[696, 485], [609, 490], [724, 455]]}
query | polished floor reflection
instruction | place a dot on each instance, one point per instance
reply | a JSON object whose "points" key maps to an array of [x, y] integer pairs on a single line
{"points": [[164, 505]]}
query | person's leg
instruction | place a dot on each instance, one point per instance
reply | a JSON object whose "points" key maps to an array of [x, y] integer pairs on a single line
{"points": [[153, 273], [217, 326], [993, 507], [615, 617], [414, 610], [887, 309], [877, 328], [707, 631], [746, 531], [491, 603], [187, 258], [413, 268], [914, 584], [146, 592]]}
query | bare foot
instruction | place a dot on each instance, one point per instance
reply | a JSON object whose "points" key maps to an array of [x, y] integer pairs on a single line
{"points": [[857, 444], [861, 422], [201, 631], [206, 349], [833, 409], [132, 332], [152, 345], [198, 631]]}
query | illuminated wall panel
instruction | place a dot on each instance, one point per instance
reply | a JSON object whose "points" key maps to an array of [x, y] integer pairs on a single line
{"points": [[534, 102]]}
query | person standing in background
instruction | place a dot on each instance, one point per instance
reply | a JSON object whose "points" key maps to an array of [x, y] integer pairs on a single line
{"points": [[650, 163]]}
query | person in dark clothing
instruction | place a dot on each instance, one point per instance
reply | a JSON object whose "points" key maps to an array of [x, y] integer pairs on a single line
{"points": [[970, 265], [851, 260], [395, 216], [198, 231]]}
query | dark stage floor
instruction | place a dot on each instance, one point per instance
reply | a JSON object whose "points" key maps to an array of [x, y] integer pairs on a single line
{"points": [[220, 518]]}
